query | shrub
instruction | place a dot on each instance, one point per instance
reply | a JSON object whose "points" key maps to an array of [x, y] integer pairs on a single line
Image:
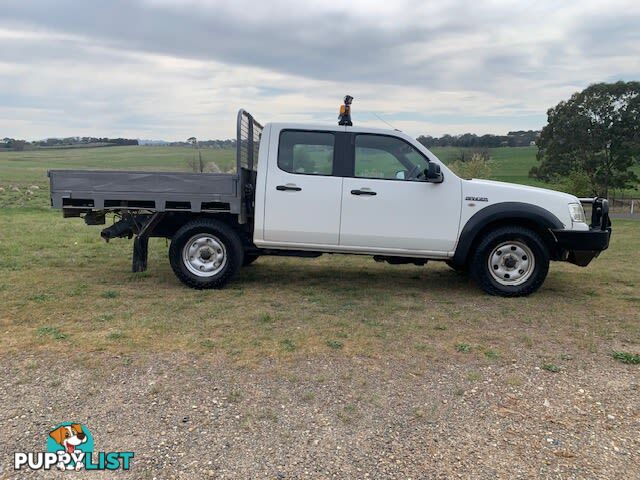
{"points": [[626, 357], [478, 166]]}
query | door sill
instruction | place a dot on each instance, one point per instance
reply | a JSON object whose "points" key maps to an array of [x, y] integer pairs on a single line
{"points": [[355, 250]]}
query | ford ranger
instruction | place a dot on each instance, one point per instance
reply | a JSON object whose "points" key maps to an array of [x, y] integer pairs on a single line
{"points": [[305, 190]]}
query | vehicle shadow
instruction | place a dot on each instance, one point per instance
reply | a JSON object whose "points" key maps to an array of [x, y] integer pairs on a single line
{"points": [[364, 278], [335, 276]]}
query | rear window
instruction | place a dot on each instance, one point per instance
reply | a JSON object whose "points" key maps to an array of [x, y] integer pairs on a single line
{"points": [[307, 153]]}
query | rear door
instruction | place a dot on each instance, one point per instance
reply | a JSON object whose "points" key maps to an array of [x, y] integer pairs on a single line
{"points": [[302, 194], [387, 204]]}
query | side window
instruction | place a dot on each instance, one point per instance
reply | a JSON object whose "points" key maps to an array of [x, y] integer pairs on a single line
{"points": [[309, 153], [380, 156]]}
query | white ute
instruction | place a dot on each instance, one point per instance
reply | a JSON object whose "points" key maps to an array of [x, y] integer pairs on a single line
{"points": [[304, 190]]}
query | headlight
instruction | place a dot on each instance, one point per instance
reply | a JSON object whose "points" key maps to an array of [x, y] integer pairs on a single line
{"points": [[577, 213]]}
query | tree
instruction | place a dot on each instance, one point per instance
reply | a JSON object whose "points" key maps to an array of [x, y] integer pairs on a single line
{"points": [[15, 145], [595, 132], [196, 164]]}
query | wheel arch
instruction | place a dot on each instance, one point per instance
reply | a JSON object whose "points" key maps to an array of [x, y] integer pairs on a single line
{"points": [[173, 221], [504, 214]]}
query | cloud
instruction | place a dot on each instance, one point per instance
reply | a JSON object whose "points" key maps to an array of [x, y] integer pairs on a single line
{"points": [[161, 68]]}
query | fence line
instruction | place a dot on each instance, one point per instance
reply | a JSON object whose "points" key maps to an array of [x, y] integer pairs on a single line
{"points": [[621, 203]]}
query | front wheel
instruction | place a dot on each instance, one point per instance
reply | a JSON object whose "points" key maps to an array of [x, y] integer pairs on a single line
{"points": [[205, 253], [510, 262]]}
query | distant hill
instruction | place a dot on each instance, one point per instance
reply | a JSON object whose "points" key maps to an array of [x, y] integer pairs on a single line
{"points": [[201, 143], [143, 141], [17, 145], [520, 138]]}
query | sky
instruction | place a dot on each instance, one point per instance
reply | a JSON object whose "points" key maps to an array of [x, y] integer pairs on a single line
{"points": [[167, 69]]}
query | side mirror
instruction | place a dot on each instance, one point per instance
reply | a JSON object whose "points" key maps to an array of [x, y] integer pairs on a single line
{"points": [[400, 175], [432, 173]]}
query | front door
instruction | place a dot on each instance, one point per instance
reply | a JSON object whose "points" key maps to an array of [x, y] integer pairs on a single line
{"points": [[302, 195], [387, 204]]}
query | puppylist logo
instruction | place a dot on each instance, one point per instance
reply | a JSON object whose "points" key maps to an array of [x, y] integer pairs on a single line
{"points": [[70, 447]]}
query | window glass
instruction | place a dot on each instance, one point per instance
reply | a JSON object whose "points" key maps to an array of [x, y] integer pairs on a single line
{"points": [[309, 153], [379, 156]]}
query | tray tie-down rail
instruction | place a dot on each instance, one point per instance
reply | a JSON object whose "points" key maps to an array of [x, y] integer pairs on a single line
{"points": [[142, 227]]}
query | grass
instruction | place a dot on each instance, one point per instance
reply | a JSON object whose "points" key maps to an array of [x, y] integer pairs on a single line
{"points": [[626, 357], [551, 367], [474, 376], [288, 345], [51, 332], [60, 283], [491, 354], [116, 335]]}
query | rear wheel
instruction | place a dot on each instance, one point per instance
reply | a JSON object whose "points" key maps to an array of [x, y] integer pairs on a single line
{"points": [[205, 253], [510, 262]]}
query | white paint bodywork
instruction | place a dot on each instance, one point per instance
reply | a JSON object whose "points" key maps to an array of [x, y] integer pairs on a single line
{"points": [[554, 202], [405, 218], [309, 216]]}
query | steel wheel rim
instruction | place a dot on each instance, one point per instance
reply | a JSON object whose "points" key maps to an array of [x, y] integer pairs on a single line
{"points": [[204, 255], [511, 263]]}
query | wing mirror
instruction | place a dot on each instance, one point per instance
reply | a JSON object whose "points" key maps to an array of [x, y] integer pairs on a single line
{"points": [[432, 173]]}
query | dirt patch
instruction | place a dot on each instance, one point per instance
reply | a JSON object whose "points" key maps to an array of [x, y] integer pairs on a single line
{"points": [[330, 416]]}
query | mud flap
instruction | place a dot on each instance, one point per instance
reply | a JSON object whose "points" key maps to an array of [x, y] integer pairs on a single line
{"points": [[141, 243], [140, 254]]}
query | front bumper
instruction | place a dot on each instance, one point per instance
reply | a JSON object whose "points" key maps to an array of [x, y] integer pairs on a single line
{"points": [[582, 246]]}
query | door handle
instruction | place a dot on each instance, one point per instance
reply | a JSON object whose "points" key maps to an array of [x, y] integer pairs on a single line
{"points": [[292, 188], [363, 192]]}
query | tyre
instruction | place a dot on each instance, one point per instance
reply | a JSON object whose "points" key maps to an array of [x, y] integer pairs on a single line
{"points": [[510, 262], [249, 259], [205, 253]]}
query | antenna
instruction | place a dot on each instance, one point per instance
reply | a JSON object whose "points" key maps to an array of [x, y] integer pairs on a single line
{"points": [[383, 120], [344, 118]]}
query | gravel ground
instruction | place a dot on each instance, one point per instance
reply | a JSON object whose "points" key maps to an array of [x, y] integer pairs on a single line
{"points": [[329, 417]]}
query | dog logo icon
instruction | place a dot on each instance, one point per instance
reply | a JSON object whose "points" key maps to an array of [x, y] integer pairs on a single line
{"points": [[70, 447], [72, 438]]}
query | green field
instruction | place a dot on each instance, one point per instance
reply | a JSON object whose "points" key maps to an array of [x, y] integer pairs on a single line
{"points": [[31, 166], [60, 282], [21, 170], [508, 164]]}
